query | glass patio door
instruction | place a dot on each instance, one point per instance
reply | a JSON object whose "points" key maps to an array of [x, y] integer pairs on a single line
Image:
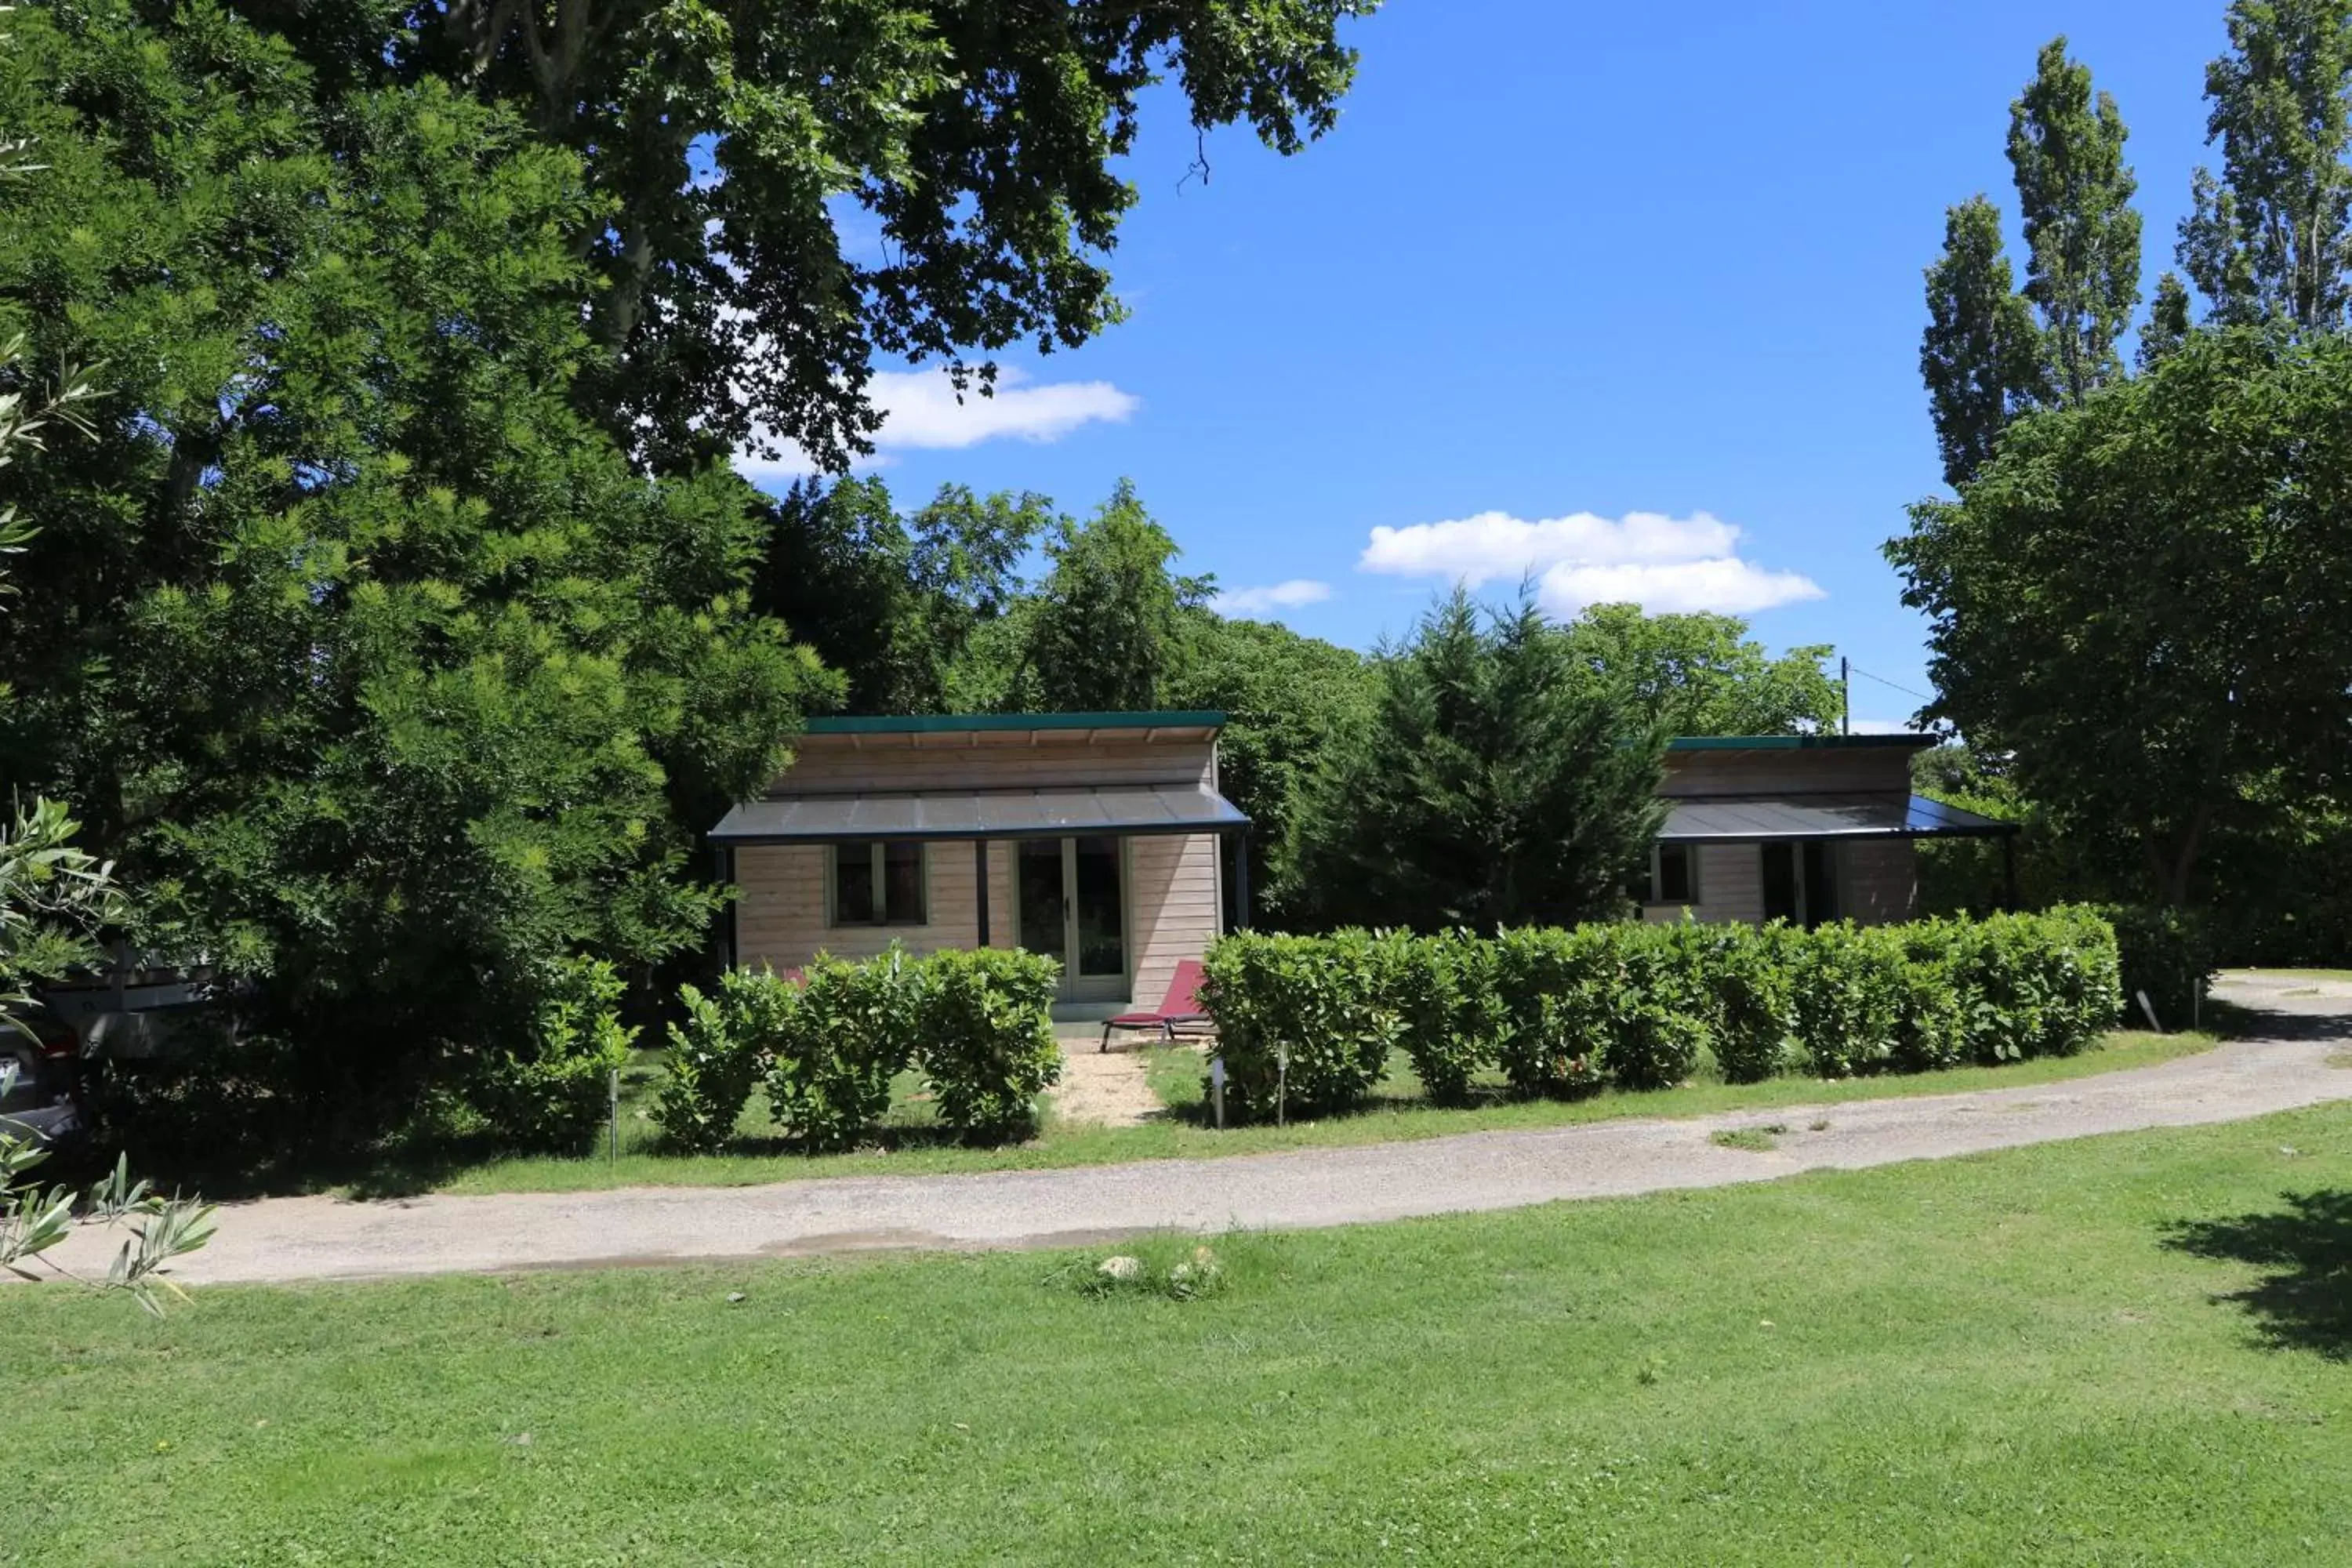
{"points": [[1071, 894]]}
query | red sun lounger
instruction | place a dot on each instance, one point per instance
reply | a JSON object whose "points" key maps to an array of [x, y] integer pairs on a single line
{"points": [[1179, 1011]]}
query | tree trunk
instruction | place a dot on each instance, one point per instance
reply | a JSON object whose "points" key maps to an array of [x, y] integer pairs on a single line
{"points": [[2171, 864]]}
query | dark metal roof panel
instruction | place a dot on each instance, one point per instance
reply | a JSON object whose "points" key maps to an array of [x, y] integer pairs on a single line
{"points": [[1799, 742], [1732, 820], [958, 723], [979, 813]]}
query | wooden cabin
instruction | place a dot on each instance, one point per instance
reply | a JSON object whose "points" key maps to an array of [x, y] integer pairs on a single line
{"points": [[1101, 840], [1098, 838], [1805, 828]]}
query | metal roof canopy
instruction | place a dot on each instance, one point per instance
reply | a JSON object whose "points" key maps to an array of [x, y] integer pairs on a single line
{"points": [[979, 813], [1906, 742], [1728, 819], [965, 723]]}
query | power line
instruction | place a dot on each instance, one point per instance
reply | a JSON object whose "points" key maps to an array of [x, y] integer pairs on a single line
{"points": [[1882, 680]]}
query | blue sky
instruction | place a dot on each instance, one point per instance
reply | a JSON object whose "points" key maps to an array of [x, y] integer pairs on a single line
{"points": [[1566, 261]]}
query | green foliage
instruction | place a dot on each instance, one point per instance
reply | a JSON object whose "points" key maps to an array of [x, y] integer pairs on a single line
{"points": [[1289, 703], [985, 1037], [2075, 192], [1560, 992], [977, 1024], [893, 603], [851, 1029], [788, 190], [33, 1221], [1702, 675], [1304, 1023], [2168, 324], [376, 668], [1849, 997], [1497, 782], [1106, 632], [1448, 996], [722, 1046], [1989, 353], [1756, 982], [1672, 1013], [53, 898], [2042, 985], [555, 1098], [1566, 1012], [51, 895], [2169, 953], [2270, 239], [2139, 600], [1979, 355]]}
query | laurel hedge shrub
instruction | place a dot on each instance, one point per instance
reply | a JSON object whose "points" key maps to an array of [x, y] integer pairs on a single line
{"points": [[984, 1037], [827, 1042], [723, 1047], [1305, 1023], [1309, 1020]]}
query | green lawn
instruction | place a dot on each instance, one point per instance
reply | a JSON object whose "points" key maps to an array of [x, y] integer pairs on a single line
{"points": [[2121, 1349], [912, 1145]]}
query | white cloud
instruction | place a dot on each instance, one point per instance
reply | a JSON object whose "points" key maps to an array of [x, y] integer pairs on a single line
{"points": [[1663, 564], [1885, 727], [1258, 602], [1725, 584], [920, 412], [920, 408]]}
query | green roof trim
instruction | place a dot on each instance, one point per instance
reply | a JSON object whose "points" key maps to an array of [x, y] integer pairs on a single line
{"points": [[1797, 743], [956, 723]]}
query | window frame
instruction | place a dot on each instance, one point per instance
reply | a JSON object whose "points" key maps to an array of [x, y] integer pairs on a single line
{"points": [[1657, 899], [877, 858]]}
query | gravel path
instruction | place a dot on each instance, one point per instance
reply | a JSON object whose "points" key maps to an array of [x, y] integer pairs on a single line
{"points": [[1107, 1087], [322, 1237]]}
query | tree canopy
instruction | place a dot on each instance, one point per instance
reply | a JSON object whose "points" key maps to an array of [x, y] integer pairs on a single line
{"points": [[892, 602], [1991, 352], [370, 660], [1702, 675], [2271, 238], [1497, 782], [2142, 600], [779, 192]]}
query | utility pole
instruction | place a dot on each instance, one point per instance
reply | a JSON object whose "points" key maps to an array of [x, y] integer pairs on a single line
{"points": [[1845, 695]]}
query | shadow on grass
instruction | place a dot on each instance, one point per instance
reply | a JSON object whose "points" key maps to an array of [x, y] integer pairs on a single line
{"points": [[2304, 1301]]}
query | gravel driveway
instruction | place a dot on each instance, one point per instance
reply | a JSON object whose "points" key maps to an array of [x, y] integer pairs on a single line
{"points": [[323, 1238]]}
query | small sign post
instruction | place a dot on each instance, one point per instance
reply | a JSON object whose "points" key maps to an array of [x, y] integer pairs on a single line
{"points": [[616, 1116], [1217, 1089]]}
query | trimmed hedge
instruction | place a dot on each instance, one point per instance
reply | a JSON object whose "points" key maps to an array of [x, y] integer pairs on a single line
{"points": [[826, 1046], [985, 1033], [557, 1098], [717, 1054], [1563, 1013], [2170, 955], [1308, 1022]]}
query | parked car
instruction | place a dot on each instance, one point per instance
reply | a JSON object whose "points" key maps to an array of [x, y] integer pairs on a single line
{"points": [[42, 1103]]}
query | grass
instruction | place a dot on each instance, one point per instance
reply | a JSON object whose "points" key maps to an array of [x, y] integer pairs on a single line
{"points": [[1757, 1140], [911, 1144], [2116, 1350]]}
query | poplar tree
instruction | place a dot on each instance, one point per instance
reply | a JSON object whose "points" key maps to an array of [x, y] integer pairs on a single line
{"points": [[2271, 238], [2075, 192], [1991, 352], [1980, 355]]}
